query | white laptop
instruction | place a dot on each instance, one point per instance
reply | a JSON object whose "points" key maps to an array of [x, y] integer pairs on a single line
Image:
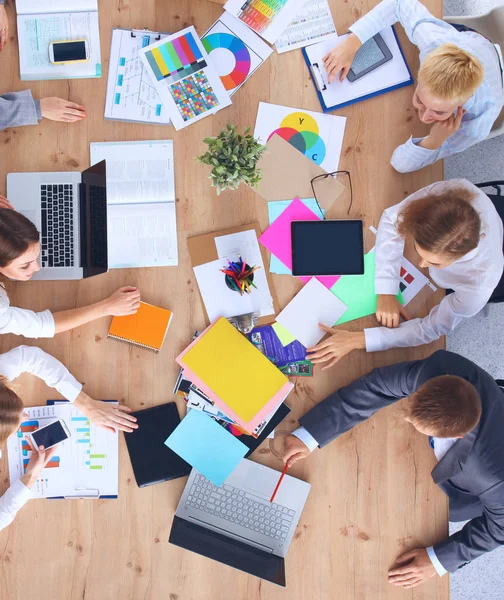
{"points": [[70, 211]]}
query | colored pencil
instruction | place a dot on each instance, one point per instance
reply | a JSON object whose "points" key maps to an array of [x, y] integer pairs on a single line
{"points": [[279, 482]]}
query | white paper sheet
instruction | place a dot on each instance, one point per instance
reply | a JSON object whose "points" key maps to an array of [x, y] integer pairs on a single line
{"points": [[131, 92], [319, 137], [189, 92], [87, 463], [412, 281], [314, 304], [235, 50], [313, 22], [268, 27], [24, 7], [36, 32], [391, 73]]}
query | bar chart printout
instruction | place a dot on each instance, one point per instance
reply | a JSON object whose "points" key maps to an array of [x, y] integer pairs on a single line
{"points": [[84, 465]]}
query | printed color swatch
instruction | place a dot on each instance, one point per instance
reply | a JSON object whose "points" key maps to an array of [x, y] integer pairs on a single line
{"points": [[176, 59], [193, 96], [240, 53], [258, 14]]}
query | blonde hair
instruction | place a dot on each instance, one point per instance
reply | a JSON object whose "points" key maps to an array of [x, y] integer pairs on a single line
{"points": [[11, 408], [450, 73]]}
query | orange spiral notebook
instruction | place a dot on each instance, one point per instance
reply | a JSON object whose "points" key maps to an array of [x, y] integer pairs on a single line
{"points": [[145, 329]]}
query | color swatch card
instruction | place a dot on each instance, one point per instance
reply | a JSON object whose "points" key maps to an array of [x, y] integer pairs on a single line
{"points": [[412, 281], [241, 381], [317, 136], [312, 23], [268, 18], [206, 446], [185, 78], [235, 50], [314, 304], [278, 240]]}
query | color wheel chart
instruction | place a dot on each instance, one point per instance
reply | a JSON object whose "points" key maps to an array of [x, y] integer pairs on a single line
{"points": [[302, 131], [238, 53]]}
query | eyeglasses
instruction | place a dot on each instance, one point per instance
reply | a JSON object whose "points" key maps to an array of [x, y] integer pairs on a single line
{"points": [[334, 174]]}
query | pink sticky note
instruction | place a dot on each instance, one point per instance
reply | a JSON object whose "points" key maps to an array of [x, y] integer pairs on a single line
{"points": [[277, 238]]}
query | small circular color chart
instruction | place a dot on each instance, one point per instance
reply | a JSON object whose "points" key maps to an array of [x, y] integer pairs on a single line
{"points": [[230, 56], [302, 132]]}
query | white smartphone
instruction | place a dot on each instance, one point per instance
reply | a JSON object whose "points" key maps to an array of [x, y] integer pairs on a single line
{"points": [[64, 52], [50, 435]]}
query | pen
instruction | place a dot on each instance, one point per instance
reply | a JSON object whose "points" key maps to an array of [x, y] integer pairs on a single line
{"points": [[279, 482]]}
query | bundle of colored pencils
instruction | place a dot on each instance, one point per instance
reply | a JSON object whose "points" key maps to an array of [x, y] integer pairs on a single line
{"points": [[240, 276]]}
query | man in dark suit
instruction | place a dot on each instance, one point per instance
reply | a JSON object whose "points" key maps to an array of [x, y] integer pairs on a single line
{"points": [[461, 408]]}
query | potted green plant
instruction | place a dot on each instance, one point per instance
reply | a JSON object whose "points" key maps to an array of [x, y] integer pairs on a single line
{"points": [[233, 157]]}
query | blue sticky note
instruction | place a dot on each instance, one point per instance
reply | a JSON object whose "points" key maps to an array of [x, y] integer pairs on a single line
{"points": [[275, 209], [206, 446]]}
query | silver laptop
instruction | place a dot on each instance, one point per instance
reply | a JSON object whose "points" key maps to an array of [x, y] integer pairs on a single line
{"points": [[70, 211], [236, 524]]}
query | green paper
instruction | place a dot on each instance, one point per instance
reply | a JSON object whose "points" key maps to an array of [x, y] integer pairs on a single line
{"points": [[283, 335], [357, 292]]}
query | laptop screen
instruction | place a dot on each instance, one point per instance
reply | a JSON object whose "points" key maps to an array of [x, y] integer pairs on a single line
{"points": [[93, 220]]}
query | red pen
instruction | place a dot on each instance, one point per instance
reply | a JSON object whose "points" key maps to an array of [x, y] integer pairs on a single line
{"points": [[279, 482]]}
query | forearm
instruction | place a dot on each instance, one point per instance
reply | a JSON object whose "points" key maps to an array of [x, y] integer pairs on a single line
{"points": [[19, 108], [70, 319], [410, 156], [13, 499]]}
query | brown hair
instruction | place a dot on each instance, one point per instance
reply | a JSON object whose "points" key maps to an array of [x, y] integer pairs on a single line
{"points": [[445, 224], [451, 73], [11, 407], [17, 234], [446, 406]]}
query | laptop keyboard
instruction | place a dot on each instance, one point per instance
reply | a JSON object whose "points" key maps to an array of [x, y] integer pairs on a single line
{"points": [[236, 506], [57, 225]]}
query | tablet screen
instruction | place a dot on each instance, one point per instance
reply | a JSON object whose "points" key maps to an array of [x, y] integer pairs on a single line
{"points": [[368, 55], [327, 247]]}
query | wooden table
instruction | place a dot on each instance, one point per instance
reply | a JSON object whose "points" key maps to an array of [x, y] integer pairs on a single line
{"points": [[372, 496]]}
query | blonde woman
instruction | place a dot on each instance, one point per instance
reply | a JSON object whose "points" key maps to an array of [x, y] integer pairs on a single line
{"points": [[459, 91], [29, 359]]}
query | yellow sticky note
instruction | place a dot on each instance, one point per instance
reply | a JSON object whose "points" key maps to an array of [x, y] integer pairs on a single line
{"points": [[284, 336], [234, 369]]}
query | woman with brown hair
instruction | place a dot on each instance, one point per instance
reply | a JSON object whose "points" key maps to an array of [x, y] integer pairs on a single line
{"points": [[457, 233], [19, 252], [29, 359]]}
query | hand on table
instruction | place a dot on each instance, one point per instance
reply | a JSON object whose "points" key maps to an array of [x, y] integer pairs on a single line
{"points": [[57, 109], [295, 450], [331, 349], [389, 310], [38, 460], [106, 415], [124, 301], [4, 203], [4, 27], [341, 58], [442, 130], [418, 569]]}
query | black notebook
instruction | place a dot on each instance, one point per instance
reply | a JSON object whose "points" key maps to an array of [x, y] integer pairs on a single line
{"points": [[151, 459]]}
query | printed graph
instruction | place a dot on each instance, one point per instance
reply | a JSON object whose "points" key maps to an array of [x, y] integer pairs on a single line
{"points": [[26, 450], [90, 448]]}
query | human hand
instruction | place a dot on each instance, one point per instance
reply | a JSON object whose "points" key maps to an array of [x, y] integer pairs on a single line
{"points": [[341, 58], [124, 301], [106, 415], [335, 347], [38, 460], [442, 130], [4, 203], [389, 309], [4, 27], [418, 569], [57, 109], [295, 450]]}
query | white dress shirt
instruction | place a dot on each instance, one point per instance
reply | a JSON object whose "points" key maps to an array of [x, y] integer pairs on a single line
{"points": [[29, 359], [428, 33], [24, 322], [472, 277]]}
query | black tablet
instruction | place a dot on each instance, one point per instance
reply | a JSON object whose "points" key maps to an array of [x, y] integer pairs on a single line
{"points": [[368, 57], [327, 247]]}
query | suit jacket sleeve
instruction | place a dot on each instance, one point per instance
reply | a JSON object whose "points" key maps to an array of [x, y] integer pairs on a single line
{"points": [[360, 400], [19, 108], [478, 536]]}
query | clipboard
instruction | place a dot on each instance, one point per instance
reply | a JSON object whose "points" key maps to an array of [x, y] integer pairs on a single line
{"points": [[202, 249], [287, 174]]}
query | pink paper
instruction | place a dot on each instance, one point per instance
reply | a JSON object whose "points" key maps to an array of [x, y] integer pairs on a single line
{"points": [[277, 238]]}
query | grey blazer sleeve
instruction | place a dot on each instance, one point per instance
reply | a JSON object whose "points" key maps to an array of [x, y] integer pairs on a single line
{"points": [[360, 400], [479, 535], [19, 108]]}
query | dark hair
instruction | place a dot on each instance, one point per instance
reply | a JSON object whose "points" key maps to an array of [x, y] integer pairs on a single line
{"points": [[445, 224], [11, 407], [447, 406], [17, 234]]}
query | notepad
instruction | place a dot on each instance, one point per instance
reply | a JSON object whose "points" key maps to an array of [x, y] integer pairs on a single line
{"points": [[206, 446], [146, 329], [231, 371]]}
